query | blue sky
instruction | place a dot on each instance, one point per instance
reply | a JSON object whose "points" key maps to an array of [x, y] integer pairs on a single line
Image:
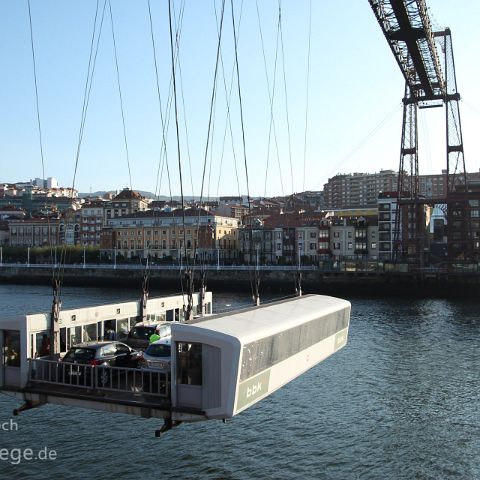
{"points": [[354, 109]]}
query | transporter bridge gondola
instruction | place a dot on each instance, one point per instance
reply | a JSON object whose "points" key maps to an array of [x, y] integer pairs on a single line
{"points": [[220, 364]]}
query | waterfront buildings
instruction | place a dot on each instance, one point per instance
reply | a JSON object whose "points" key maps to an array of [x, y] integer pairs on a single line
{"points": [[194, 232], [288, 230]]}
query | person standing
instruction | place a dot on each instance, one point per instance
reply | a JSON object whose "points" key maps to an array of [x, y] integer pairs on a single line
{"points": [[155, 335]]}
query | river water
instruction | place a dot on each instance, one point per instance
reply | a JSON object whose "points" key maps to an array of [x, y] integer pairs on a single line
{"points": [[400, 401]]}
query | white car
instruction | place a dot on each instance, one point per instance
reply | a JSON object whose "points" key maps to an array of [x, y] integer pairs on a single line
{"points": [[157, 355]]}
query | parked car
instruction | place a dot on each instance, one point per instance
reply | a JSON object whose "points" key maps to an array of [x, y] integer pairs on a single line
{"points": [[155, 364], [157, 355], [139, 335], [79, 360]]}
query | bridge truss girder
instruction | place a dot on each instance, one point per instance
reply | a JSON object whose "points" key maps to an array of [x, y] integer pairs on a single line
{"points": [[407, 28]]}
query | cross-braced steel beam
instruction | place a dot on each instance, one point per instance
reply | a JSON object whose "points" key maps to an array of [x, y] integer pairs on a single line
{"points": [[406, 26]]}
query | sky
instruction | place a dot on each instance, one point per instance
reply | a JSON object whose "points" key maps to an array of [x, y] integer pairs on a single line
{"points": [[334, 55]]}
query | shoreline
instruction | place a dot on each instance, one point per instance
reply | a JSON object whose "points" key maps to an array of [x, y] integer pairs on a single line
{"points": [[360, 283]]}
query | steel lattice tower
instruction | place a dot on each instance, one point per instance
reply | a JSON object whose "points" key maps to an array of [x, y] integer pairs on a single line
{"points": [[430, 81]]}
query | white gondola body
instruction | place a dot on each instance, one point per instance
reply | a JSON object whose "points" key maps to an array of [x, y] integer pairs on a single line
{"points": [[226, 363]]}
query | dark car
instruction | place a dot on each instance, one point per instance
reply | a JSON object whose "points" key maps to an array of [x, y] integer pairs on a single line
{"points": [[139, 335], [81, 360]]}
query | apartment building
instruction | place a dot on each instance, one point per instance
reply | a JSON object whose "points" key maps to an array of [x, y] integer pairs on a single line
{"points": [[91, 223], [194, 233], [127, 202], [357, 190], [37, 232]]}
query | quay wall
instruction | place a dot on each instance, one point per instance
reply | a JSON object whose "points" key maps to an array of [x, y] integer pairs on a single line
{"points": [[359, 283]]}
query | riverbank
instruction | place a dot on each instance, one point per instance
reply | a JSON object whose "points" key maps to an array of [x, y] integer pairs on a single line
{"points": [[231, 278]]}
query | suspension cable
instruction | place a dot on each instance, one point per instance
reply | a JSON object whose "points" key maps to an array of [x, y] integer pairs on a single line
{"points": [[228, 122], [56, 302], [120, 95], [86, 100], [39, 124], [271, 96], [307, 95], [185, 123], [88, 84], [188, 309], [372, 133], [164, 141], [36, 91], [241, 107], [285, 91], [255, 292], [210, 124]]}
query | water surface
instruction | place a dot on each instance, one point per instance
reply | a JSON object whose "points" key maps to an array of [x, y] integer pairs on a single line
{"points": [[399, 402]]}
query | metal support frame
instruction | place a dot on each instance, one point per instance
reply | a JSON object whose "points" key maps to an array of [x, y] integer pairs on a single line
{"points": [[54, 318], [168, 424], [430, 82], [188, 308], [407, 28], [407, 236]]}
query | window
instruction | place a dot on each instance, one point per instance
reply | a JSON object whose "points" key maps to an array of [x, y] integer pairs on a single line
{"points": [[108, 350], [90, 332], [266, 352], [384, 236], [336, 234], [350, 245], [313, 235], [121, 349], [189, 363], [385, 246], [12, 348], [361, 246]]}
